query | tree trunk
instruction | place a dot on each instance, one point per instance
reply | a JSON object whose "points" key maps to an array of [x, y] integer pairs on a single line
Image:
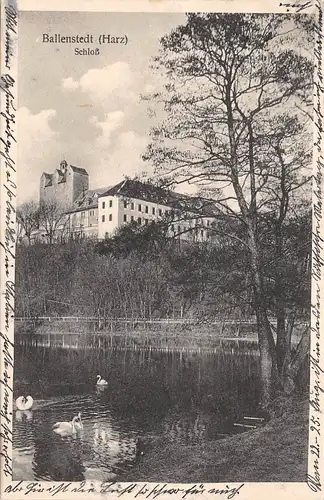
{"points": [[282, 346], [268, 365], [287, 357], [268, 361], [283, 342], [292, 370]]}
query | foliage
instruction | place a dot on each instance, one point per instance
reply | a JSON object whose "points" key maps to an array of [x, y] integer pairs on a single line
{"points": [[143, 240], [236, 122]]}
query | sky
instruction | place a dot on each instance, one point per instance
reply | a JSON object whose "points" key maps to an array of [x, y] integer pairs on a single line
{"points": [[85, 109]]}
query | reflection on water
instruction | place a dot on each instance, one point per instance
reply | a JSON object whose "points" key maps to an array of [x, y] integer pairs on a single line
{"points": [[184, 398]]}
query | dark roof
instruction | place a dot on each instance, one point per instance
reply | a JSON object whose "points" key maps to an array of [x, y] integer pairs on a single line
{"points": [[79, 170], [139, 190], [155, 194], [87, 200], [48, 176]]}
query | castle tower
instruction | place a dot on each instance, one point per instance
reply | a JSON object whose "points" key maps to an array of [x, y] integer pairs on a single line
{"points": [[64, 185]]}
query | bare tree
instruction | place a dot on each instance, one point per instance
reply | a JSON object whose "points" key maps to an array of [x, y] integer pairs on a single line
{"points": [[234, 124], [28, 219], [53, 221]]}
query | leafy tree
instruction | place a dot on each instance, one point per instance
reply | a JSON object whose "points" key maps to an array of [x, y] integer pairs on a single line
{"points": [[236, 123], [143, 240]]}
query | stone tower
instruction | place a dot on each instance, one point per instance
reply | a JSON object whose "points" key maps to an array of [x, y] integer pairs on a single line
{"points": [[64, 185]]}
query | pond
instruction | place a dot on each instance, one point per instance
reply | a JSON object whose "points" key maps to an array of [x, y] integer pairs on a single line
{"points": [[179, 396]]}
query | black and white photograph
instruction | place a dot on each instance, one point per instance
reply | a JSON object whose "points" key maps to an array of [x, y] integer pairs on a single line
{"points": [[163, 253]]}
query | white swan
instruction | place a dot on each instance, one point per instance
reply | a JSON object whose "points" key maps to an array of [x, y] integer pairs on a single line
{"points": [[101, 381], [24, 403], [78, 424], [69, 428]]}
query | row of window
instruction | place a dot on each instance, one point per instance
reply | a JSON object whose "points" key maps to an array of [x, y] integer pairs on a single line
{"points": [[91, 214], [110, 204], [126, 219], [140, 207], [146, 221], [103, 218], [132, 205], [139, 219], [131, 219]]}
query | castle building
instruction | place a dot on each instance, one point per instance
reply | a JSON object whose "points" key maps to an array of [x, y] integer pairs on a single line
{"points": [[134, 201], [82, 218], [98, 213]]}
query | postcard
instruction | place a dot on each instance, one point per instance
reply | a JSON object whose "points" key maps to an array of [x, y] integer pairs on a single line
{"points": [[162, 249]]}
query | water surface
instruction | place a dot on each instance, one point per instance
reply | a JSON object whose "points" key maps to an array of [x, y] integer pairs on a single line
{"points": [[176, 396]]}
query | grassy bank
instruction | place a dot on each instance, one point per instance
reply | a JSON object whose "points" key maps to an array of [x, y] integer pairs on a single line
{"points": [[276, 452]]}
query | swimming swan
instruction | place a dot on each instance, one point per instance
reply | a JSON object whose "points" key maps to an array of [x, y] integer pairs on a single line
{"points": [[69, 428], [24, 403], [101, 381], [78, 423]]}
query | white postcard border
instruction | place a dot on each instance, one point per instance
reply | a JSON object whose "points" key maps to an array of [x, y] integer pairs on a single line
{"points": [[9, 82]]}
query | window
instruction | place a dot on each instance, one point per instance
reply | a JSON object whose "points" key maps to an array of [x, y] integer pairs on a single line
{"points": [[139, 220], [132, 218], [125, 204], [172, 228], [103, 204], [146, 222], [202, 233], [179, 229], [208, 223], [110, 203], [132, 206], [153, 210], [106, 235], [82, 215], [139, 208], [160, 212], [125, 218], [110, 217], [146, 209], [103, 218]]}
